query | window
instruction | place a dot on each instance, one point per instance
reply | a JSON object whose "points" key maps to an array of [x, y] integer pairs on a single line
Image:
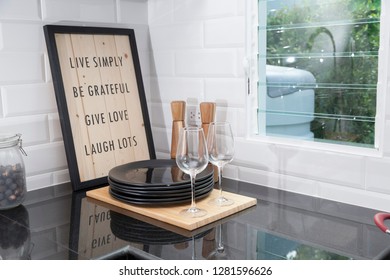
{"points": [[318, 70]]}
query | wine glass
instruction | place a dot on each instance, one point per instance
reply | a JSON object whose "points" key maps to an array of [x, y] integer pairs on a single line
{"points": [[219, 253], [220, 145], [192, 158]]}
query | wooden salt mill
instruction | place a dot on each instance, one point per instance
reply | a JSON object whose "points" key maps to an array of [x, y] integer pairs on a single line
{"points": [[207, 115], [178, 109]]}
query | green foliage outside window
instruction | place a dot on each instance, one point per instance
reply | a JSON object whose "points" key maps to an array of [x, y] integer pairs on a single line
{"points": [[345, 67]]}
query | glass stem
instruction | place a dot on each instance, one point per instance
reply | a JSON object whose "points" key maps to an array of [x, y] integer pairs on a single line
{"points": [[220, 180], [220, 247], [193, 204], [193, 248]]}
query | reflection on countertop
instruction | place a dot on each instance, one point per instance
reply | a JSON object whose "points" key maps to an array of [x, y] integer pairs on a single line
{"points": [[62, 224]]}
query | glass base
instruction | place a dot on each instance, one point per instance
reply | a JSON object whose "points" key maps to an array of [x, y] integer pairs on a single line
{"points": [[221, 201], [218, 255], [193, 212]]}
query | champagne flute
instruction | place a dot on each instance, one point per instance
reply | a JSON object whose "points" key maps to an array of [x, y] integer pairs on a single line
{"points": [[192, 158], [220, 145]]}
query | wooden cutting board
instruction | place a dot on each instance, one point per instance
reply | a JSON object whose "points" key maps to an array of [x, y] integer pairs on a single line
{"points": [[170, 213]]}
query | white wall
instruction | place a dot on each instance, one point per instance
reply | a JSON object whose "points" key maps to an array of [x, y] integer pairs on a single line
{"points": [[198, 47]]}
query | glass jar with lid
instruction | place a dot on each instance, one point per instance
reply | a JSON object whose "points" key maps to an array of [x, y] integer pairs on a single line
{"points": [[15, 235], [12, 171]]}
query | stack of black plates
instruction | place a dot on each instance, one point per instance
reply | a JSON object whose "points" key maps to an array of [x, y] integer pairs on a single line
{"points": [[133, 230], [158, 181]]}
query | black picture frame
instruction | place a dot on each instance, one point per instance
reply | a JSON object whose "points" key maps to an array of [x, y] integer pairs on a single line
{"points": [[50, 32]]}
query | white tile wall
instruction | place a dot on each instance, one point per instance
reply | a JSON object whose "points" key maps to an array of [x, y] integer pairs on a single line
{"points": [[194, 10], [218, 88], [21, 68], [133, 12], [165, 38], [193, 50], [183, 65], [224, 33], [214, 63], [27, 99], [30, 32], [82, 10], [33, 128], [180, 89], [20, 10]]}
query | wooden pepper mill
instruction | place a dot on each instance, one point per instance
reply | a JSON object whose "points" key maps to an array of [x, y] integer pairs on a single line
{"points": [[178, 109], [207, 115]]}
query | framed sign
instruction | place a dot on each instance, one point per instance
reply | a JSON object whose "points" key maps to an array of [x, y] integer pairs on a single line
{"points": [[100, 98]]}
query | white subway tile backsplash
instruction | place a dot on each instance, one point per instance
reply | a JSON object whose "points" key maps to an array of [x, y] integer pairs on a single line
{"points": [[20, 10], [225, 113], [163, 62], [21, 36], [133, 11], [161, 115], [39, 181], [223, 33], [142, 36], [256, 176], [21, 67], [29, 99], [387, 101], [298, 185], [163, 154], [55, 127], [1, 37], [386, 144], [215, 63], [377, 175], [47, 69], [241, 122], [241, 62], [1, 104], [160, 12], [80, 10], [34, 129], [331, 167], [231, 171], [178, 89], [162, 140], [230, 90], [279, 181], [352, 196], [260, 156], [189, 50], [189, 35], [190, 10], [144, 60], [59, 177], [241, 8], [45, 158]]}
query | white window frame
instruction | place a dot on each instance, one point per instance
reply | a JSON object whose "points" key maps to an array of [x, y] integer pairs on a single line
{"points": [[250, 63]]}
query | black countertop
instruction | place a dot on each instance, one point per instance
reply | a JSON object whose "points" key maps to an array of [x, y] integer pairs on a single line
{"points": [[57, 223]]}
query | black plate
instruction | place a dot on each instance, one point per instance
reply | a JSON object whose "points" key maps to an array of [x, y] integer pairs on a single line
{"points": [[159, 187], [133, 230], [154, 173], [174, 191], [159, 200]]}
